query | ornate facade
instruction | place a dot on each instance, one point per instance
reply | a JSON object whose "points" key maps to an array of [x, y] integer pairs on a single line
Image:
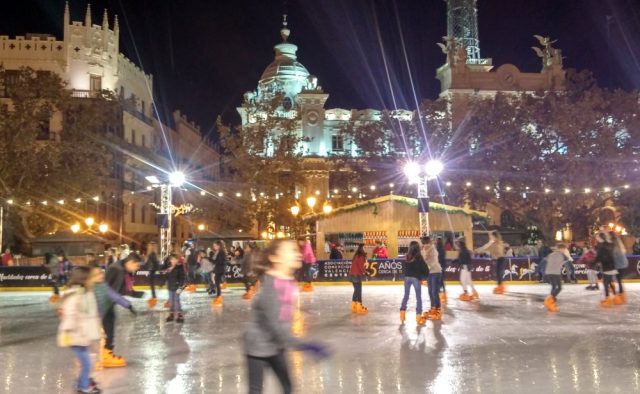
{"points": [[88, 59]]}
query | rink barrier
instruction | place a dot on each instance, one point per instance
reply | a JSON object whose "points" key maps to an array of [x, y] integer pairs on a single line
{"points": [[518, 270]]}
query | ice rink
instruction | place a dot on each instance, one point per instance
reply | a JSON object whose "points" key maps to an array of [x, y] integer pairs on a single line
{"points": [[502, 344]]}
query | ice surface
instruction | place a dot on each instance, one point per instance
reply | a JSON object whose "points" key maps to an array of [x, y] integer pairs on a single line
{"points": [[503, 344]]}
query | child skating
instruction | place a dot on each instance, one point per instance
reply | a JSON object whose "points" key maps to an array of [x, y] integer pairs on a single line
{"points": [[553, 273], [268, 334], [175, 283], [357, 273], [495, 247], [80, 323]]}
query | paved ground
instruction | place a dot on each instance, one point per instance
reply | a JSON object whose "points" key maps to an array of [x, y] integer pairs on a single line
{"points": [[503, 344]]}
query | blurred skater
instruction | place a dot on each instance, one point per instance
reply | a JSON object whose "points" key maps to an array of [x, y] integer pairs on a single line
{"points": [[495, 248], [621, 263], [430, 255], [553, 272], [268, 334], [442, 259], [220, 266], [415, 271], [358, 271], [250, 279], [308, 263], [175, 284], [153, 265], [604, 256], [464, 261], [80, 323]]}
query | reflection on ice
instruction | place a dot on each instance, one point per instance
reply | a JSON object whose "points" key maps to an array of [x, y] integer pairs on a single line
{"points": [[502, 344]]}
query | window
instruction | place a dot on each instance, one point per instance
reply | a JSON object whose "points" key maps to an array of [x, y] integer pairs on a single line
{"points": [[337, 143], [133, 136], [144, 140], [95, 83], [11, 79], [143, 215], [133, 213]]}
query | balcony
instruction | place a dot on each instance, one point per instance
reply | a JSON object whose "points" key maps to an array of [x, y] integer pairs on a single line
{"points": [[76, 93]]}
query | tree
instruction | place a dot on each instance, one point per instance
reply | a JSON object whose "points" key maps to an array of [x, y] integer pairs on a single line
{"points": [[39, 166]]}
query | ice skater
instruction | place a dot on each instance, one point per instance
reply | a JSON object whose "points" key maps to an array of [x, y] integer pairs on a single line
{"points": [[268, 334], [176, 282], [464, 262], [495, 248], [308, 263], [52, 264], [553, 272], [415, 271], [442, 259], [430, 255], [119, 277], [79, 326], [219, 270], [604, 256], [621, 263], [359, 266], [588, 258], [250, 280], [153, 265]]}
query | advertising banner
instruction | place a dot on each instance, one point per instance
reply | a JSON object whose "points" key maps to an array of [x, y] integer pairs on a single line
{"points": [[517, 269]]}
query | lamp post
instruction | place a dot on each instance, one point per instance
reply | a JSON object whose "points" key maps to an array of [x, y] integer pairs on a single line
{"points": [[175, 179], [420, 175]]}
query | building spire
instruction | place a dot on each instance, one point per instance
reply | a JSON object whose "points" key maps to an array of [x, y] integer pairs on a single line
{"points": [[116, 25], [462, 24], [67, 16], [284, 32], [87, 16], [105, 20]]}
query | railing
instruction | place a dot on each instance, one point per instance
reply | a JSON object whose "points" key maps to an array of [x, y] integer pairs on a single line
{"points": [[76, 93]]}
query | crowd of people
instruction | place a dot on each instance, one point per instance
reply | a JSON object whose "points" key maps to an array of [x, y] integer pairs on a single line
{"points": [[87, 306]]}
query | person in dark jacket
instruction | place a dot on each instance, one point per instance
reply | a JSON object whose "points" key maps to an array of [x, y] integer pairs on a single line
{"points": [[464, 262], [359, 266], [153, 265], [604, 256], [52, 264], [415, 271], [335, 254], [175, 284], [220, 267], [119, 277], [543, 251]]}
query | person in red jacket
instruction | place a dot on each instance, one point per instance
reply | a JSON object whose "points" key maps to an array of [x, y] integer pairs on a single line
{"points": [[359, 266], [380, 251]]}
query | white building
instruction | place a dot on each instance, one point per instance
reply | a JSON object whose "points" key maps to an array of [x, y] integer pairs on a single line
{"points": [[89, 60]]}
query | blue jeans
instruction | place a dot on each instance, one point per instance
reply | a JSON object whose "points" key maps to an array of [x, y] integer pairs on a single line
{"points": [[434, 283], [82, 353], [415, 282], [174, 301], [571, 270]]}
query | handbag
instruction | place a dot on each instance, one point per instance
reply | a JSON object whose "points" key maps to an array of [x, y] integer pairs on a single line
{"points": [[65, 339]]}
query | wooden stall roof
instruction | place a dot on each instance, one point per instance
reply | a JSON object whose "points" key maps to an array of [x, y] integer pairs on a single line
{"points": [[433, 206]]}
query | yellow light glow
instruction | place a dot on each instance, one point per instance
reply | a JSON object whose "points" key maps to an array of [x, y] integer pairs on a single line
{"points": [[280, 234], [75, 228], [89, 221], [607, 189], [447, 184], [103, 228], [372, 187], [96, 198], [587, 190], [10, 202], [611, 225], [559, 235], [295, 210], [201, 227], [547, 191], [468, 184], [45, 202], [618, 229], [203, 193], [567, 191], [220, 194], [78, 200], [264, 235], [327, 208], [508, 188], [311, 202], [61, 202]]}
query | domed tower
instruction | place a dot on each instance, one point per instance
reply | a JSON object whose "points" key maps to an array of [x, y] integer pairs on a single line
{"points": [[302, 98]]}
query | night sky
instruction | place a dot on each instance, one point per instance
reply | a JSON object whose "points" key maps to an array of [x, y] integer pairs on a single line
{"points": [[204, 54]]}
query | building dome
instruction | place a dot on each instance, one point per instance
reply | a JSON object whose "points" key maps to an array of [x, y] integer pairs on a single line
{"points": [[285, 72]]}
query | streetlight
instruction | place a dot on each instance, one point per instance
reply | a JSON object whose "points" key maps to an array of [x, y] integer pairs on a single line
{"points": [[201, 227], [420, 175], [295, 210], [327, 208], [75, 228], [311, 202], [89, 221], [174, 179], [103, 228]]}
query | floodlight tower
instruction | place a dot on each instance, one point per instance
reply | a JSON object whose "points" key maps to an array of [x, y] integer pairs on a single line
{"points": [[462, 24], [176, 179]]}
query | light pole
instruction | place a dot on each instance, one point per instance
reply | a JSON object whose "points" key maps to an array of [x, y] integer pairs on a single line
{"points": [[176, 179], [420, 175]]}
